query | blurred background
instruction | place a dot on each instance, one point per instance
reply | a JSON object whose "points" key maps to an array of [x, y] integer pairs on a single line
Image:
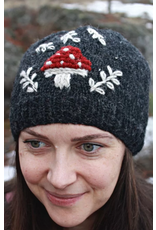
{"points": [[26, 21]]}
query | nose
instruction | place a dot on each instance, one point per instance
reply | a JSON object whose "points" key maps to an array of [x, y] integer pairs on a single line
{"points": [[61, 172]]}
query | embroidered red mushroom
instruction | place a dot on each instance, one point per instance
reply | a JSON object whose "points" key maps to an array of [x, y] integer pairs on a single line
{"points": [[65, 62]]}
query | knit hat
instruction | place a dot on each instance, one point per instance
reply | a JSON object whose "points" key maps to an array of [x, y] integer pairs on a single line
{"points": [[86, 76]]}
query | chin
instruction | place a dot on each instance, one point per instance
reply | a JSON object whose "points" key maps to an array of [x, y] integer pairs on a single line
{"points": [[67, 220], [63, 222]]}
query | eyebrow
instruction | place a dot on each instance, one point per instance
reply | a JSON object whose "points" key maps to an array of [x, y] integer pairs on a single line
{"points": [[83, 138], [33, 133], [91, 137]]}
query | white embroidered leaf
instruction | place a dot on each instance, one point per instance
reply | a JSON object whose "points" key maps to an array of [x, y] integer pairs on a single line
{"points": [[70, 35], [23, 80], [111, 77], [96, 35], [102, 41], [110, 85], [33, 76], [65, 39], [23, 74], [90, 30], [25, 84], [109, 70], [106, 80], [91, 82], [27, 80], [36, 85], [30, 90], [44, 47], [99, 90], [115, 81], [103, 75], [118, 73], [29, 70], [99, 83], [72, 32], [50, 46], [37, 50], [76, 39]]}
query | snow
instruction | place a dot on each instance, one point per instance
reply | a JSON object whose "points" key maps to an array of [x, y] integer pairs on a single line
{"points": [[149, 133], [148, 141], [9, 172], [130, 9], [150, 180]]}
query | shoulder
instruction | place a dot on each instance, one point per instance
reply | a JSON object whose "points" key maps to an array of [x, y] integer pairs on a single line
{"points": [[8, 191], [8, 197]]}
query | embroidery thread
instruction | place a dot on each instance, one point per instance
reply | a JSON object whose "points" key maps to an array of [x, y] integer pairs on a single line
{"points": [[26, 81], [65, 62], [108, 81], [96, 35], [70, 35], [44, 47]]}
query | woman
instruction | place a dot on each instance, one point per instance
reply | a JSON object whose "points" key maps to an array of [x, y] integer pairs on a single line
{"points": [[79, 111]]}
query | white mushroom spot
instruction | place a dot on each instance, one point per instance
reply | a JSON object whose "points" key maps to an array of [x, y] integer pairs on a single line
{"points": [[79, 64], [58, 54], [61, 62], [72, 56], [48, 63], [65, 49]]}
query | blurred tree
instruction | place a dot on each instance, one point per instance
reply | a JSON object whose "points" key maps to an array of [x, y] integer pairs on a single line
{"points": [[109, 6]]}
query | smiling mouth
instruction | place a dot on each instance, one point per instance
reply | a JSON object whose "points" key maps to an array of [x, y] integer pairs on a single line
{"points": [[63, 200]]}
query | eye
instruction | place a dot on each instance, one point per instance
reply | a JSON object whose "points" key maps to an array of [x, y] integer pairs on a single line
{"points": [[89, 147], [35, 144]]}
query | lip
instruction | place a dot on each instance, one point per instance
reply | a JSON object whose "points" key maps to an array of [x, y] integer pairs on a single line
{"points": [[63, 200]]}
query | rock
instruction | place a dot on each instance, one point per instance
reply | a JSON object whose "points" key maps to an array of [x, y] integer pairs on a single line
{"points": [[12, 58]]}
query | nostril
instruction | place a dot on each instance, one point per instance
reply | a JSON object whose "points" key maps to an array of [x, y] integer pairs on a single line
{"points": [[49, 175], [61, 178]]}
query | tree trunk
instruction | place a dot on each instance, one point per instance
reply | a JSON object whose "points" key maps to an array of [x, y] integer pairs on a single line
{"points": [[109, 6]]}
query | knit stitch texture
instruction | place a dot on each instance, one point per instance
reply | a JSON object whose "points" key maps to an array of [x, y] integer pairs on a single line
{"points": [[87, 76]]}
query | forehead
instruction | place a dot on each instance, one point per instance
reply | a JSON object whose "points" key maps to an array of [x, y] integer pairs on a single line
{"points": [[67, 130]]}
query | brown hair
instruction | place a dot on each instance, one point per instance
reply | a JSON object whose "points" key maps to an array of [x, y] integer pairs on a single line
{"points": [[129, 208]]}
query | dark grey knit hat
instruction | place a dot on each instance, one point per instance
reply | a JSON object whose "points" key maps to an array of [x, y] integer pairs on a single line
{"points": [[86, 76]]}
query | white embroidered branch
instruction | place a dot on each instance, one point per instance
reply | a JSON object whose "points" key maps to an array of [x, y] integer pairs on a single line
{"points": [[33, 86], [96, 35], [44, 47], [70, 35], [108, 81]]}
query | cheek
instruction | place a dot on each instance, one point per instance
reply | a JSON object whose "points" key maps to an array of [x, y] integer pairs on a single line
{"points": [[103, 176], [102, 181], [32, 169]]}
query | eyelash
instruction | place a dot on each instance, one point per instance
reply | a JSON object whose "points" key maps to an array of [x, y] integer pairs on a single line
{"points": [[94, 147], [30, 142]]}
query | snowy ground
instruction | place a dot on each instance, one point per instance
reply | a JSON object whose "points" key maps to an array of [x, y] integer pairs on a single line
{"points": [[130, 9], [149, 133], [9, 172]]}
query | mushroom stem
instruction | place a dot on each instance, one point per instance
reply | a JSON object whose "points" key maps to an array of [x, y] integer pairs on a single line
{"points": [[62, 80]]}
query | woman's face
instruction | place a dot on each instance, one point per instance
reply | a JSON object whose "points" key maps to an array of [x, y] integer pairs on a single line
{"points": [[71, 169]]}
